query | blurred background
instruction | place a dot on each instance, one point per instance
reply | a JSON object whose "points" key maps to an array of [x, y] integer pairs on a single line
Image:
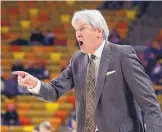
{"points": [[37, 37]]}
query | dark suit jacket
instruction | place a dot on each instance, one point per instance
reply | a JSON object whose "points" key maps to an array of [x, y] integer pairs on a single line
{"points": [[120, 96]]}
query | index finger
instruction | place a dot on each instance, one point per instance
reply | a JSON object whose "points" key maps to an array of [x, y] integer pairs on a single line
{"points": [[20, 73]]}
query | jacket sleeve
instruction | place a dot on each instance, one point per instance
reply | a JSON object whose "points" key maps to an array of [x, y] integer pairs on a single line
{"points": [[58, 86], [140, 85]]}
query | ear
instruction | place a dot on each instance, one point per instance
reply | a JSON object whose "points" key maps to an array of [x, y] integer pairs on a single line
{"points": [[100, 32]]}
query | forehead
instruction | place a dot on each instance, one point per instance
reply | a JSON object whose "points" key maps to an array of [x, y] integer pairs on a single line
{"points": [[79, 23]]}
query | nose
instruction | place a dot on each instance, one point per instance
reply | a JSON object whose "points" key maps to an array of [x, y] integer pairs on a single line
{"points": [[78, 34]]}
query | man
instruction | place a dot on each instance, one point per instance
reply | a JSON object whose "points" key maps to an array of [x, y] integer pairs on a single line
{"points": [[110, 84], [44, 126]]}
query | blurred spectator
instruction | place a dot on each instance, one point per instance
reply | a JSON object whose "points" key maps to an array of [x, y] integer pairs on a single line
{"points": [[159, 50], [31, 69], [49, 38], [156, 73], [142, 6], [74, 123], [18, 66], [11, 117], [144, 62], [65, 128], [36, 129], [22, 90], [43, 73], [151, 63], [19, 41], [148, 50], [2, 75], [2, 83], [114, 37], [11, 88], [45, 126], [128, 5], [37, 37], [111, 5], [2, 86]]}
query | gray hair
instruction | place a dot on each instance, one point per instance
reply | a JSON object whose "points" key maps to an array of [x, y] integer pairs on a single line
{"points": [[92, 17]]}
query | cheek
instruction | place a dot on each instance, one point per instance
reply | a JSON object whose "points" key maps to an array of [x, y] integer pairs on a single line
{"points": [[88, 36]]}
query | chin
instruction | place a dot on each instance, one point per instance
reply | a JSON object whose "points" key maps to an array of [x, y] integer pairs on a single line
{"points": [[82, 50]]}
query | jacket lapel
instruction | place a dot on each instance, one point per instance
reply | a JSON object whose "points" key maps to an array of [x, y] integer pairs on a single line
{"points": [[84, 70], [103, 68]]}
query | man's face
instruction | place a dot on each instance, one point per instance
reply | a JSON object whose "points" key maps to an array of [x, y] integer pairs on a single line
{"points": [[86, 36]]}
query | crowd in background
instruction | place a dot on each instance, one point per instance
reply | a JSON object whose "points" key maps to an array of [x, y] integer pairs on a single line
{"points": [[10, 87], [37, 38], [150, 59]]}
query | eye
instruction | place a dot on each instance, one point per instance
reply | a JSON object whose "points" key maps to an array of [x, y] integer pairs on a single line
{"points": [[82, 28]]}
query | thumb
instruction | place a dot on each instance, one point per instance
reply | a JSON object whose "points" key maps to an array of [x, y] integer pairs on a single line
{"points": [[19, 78]]}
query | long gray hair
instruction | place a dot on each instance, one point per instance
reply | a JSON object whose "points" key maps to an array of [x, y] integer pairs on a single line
{"points": [[92, 17]]}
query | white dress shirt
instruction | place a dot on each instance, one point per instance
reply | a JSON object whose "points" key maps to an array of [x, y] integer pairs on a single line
{"points": [[97, 53]]}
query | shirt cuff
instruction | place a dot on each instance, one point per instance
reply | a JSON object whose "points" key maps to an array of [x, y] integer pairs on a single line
{"points": [[36, 89]]}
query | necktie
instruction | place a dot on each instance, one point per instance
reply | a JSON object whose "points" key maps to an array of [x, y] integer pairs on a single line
{"points": [[90, 124]]}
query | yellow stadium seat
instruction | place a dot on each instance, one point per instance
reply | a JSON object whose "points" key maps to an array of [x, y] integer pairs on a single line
{"points": [[5, 29], [37, 120], [15, 129], [23, 106], [6, 61], [52, 107], [62, 99], [33, 11], [48, 49], [22, 112], [5, 128], [35, 23], [160, 61], [19, 55], [157, 87], [39, 113], [131, 14], [55, 56], [38, 49], [66, 106], [159, 97], [120, 13], [54, 75], [5, 48], [25, 24], [70, 2], [65, 18], [70, 93], [28, 128]]}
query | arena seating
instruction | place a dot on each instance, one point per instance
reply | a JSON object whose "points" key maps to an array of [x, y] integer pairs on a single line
{"points": [[19, 18]]}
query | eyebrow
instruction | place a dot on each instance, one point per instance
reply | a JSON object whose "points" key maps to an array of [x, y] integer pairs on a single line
{"points": [[81, 26]]}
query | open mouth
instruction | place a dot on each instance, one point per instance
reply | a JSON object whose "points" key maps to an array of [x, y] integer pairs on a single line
{"points": [[80, 43]]}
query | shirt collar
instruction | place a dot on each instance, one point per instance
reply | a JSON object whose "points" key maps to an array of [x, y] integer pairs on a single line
{"points": [[98, 51]]}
